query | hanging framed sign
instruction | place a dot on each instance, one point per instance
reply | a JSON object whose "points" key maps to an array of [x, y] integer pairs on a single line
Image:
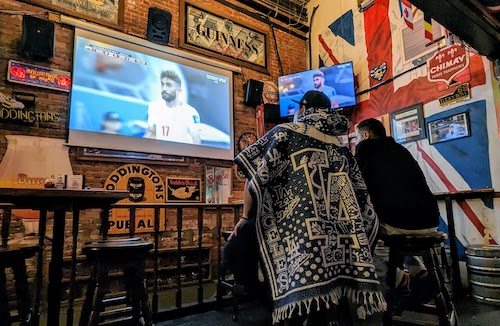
{"points": [[225, 39]]}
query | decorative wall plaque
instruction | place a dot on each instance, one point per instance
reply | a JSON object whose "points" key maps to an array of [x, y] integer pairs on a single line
{"points": [[222, 38], [104, 12]]}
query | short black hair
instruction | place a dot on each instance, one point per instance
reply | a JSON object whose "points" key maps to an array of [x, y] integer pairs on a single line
{"points": [[319, 74], [170, 74], [373, 126]]}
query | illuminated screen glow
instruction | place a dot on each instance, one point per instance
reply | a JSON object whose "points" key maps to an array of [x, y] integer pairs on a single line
{"points": [[118, 101], [335, 81]]}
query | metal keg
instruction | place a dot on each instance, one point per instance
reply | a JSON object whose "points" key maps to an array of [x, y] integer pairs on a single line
{"points": [[483, 266]]}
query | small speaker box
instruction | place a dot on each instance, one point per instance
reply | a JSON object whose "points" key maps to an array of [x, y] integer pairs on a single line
{"points": [[253, 92], [37, 38], [159, 22]]}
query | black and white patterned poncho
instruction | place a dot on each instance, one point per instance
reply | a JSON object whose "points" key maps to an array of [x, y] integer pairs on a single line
{"points": [[314, 219]]}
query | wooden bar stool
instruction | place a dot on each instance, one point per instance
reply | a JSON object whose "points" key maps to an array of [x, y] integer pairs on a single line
{"points": [[425, 246], [130, 256], [14, 256]]}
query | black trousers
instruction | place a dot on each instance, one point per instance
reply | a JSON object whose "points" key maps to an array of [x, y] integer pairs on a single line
{"points": [[241, 257]]}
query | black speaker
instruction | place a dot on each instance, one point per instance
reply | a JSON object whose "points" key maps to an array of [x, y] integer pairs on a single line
{"points": [[38, 37], [253, 92], [159, 22]]}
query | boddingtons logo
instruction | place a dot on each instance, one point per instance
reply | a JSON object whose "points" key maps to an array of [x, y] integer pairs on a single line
{"points": [[145, 185]]}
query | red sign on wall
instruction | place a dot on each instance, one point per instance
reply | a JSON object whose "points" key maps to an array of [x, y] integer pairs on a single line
{"points": [[39, 76], [446, 64]]}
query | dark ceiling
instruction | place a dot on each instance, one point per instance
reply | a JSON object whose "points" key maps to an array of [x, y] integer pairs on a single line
{"points": [[291, 12], [476, 22]]}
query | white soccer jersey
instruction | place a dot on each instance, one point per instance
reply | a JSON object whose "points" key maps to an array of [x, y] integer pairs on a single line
{"points": [[173, 124]]}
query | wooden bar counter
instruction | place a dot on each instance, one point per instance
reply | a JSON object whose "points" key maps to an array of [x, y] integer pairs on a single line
{"points": [[60, 201]]}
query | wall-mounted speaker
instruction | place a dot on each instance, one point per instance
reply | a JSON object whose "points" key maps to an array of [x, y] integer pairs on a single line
{"points": [[253, 92], [37, 38], [159, 22]]}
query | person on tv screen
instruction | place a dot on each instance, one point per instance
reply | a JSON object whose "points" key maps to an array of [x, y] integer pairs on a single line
{"points": [[453, 131], [171, 118], [319, 84], [112, 123]]}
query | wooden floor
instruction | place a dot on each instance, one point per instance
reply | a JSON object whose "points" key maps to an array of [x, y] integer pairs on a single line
{"points": [[470, 313]]}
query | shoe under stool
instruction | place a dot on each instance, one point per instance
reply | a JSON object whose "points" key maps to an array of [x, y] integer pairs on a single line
{"points": [[130, 256], [426, 246]]}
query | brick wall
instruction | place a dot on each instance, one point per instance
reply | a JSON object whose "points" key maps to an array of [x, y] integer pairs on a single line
{"points": [[292, 52]]}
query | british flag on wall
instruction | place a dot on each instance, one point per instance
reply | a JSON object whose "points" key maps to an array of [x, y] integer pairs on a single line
{"points": [[373, 37]]}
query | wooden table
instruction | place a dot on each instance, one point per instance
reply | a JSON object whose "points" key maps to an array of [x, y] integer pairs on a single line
{"points": [[61, 201], [458, 196]]}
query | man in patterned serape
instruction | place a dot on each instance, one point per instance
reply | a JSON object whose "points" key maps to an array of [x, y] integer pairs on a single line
{"points": [[313, 217]]}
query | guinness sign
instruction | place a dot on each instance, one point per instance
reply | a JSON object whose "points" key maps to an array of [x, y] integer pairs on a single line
{"points": [[225, 39]]}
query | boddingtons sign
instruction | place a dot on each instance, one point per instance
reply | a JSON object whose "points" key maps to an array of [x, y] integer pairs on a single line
{"points": [[145, 186]]}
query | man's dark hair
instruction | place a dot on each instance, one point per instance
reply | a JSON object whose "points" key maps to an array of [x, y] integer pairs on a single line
{"points": [[319, 74], [374, 127], [172, 75]]}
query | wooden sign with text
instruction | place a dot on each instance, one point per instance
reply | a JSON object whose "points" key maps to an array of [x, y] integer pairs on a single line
{"points": [[446, 64], [219, 37], [38, 76], [461, 93], [103, 12], [145, 186]]}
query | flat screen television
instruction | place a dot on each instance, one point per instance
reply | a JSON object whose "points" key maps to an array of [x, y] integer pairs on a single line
{"points": [[127, 96], [336, 81]]}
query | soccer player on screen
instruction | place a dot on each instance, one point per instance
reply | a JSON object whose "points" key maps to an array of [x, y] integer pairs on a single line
{"points": [[171, 118], [319, 85]]}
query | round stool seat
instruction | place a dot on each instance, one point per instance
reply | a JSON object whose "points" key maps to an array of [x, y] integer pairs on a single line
{"points": [[402, 241], [17, 251], [117, 246]]}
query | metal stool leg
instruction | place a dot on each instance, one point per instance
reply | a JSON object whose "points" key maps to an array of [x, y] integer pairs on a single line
{"points": [[235, 301], [100, 291], [439, 298], [4, 307], [87, 304], [22, 292], [138, 293], [393, 263]]}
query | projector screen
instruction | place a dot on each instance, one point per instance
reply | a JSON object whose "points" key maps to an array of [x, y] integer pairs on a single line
{"points": [[129, 97]]}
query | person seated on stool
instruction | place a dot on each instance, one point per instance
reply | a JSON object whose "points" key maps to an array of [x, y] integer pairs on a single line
{"points": [[313, 220], [397, 187]]}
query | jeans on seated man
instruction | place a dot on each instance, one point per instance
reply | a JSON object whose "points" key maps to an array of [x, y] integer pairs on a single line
{"points": [[397, 187]]}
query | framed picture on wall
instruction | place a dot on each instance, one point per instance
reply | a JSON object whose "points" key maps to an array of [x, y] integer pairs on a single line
{"points": [[449, 128], [408, 124], [183, 189], [109, 13]]}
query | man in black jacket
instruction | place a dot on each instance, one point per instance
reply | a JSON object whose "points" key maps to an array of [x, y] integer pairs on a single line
{"points": [[397, 187]]}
